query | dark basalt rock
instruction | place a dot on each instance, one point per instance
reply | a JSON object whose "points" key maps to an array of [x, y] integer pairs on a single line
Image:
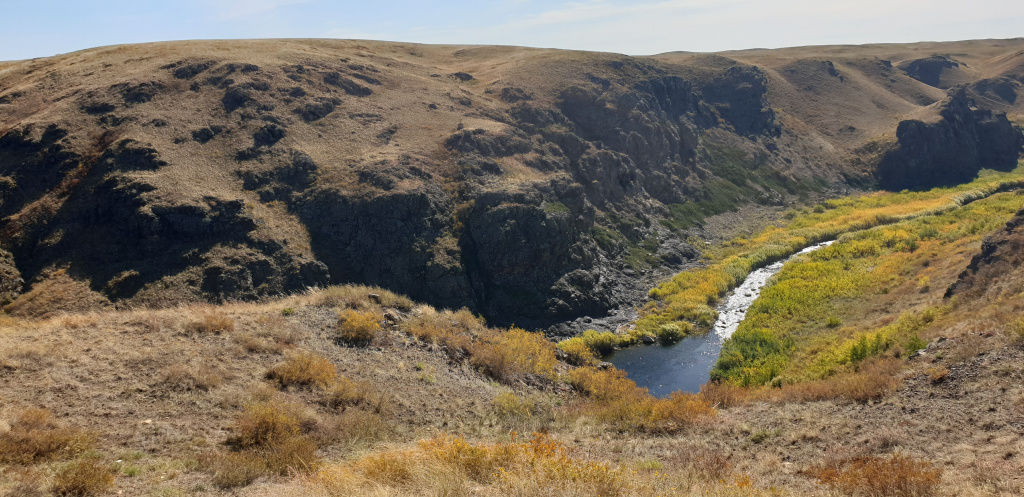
{"points": [[739, 95], [346, 84], [268, 135], [140, 93], [929, 70], [184, 70], [235, 98], [487, 144], [316, 111], [953, 150], [128, 156]]}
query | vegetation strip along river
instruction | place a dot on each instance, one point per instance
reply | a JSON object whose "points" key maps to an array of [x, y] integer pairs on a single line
{"points": [[686, 365]]}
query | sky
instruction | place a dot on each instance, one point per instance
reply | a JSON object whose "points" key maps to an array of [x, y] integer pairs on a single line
{"points": [[39, 28]]}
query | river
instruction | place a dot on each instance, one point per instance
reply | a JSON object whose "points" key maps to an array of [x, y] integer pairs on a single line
{"points": [[686, 364]]}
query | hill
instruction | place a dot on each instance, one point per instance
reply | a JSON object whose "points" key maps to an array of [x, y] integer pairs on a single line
{"points": [[533, 186]]}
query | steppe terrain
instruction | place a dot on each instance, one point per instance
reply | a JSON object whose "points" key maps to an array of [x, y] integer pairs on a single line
{"points": [[336, 267]]}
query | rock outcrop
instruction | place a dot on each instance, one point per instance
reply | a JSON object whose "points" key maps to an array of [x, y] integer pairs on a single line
{"points": [[952, 150], [996, 269]]}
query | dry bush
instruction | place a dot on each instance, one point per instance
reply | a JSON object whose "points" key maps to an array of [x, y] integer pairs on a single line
{"points": [[724, 395], [617, 400], [874, 476], [35, 436], [210, 322], [240, 468], [1015, 331], [359, 297], [358, 328], [82, 478], [182, 378], [514, 353], [267, 438], [454, 330], [874, 379], [304, 369]]}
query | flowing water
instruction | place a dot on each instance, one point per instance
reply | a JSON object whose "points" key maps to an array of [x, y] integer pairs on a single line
{"points": [[686, 365]]}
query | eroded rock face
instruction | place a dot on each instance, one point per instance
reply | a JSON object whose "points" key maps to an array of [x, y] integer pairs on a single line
{"points": [[952, 150]]}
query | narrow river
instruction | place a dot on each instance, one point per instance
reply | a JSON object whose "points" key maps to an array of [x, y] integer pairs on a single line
{"points": [[686, 365]]}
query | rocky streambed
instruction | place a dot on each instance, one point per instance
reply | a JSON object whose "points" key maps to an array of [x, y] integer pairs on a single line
{"points": [[687, 364]]}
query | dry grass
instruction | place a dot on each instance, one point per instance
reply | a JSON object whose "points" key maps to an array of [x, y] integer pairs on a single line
{"points": [[210, 322], [875, 476], [183, 378], [449, 465], [344, 393], [82, 478], [304, 369], [362, 297], [36, 436]]}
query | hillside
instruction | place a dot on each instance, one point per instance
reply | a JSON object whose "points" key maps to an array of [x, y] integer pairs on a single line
{"points": [[533, 186]]}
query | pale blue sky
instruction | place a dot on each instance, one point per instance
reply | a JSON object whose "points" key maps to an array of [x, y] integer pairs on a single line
{"points": [[40, 28]]}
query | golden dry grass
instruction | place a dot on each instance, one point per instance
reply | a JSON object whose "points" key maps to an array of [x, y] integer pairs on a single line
{"points": [[304, 369]]}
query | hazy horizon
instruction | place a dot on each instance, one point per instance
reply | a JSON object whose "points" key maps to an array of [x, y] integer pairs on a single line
{"points": [[41, 29]]}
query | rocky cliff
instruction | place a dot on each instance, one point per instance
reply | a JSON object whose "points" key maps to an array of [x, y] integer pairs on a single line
{"points": [[953, 149]]}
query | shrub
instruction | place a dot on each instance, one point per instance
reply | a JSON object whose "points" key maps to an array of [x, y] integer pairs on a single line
{"points": [[267, 438], [1015, 331], [85, 477], [304, 369], [210, 322], [35, 436], [514, 353], [263, 424], [601, 343], [454, 330], [873, 476], [358, 328], [673, 332], [577, 352]]}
